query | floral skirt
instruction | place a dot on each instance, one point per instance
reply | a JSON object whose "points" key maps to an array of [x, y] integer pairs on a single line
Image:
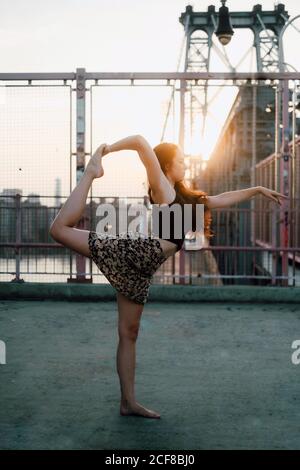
{"points": [[127, 260]]}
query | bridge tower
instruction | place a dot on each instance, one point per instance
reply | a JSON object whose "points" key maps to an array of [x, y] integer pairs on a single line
{"points": [[199, 31]]}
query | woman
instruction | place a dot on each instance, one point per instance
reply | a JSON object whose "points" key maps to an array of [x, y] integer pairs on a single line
{"points": [[130, 263]]}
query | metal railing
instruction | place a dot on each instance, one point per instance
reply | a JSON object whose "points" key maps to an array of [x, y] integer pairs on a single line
{"points": [[27, 250], [28, 253]]}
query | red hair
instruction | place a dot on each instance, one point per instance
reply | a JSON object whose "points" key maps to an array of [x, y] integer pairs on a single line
{"points": [[166, 153]]}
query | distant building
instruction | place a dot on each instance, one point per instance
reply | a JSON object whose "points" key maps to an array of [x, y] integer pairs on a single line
{"points": [[229, 167], [9, 192], [7, 214], [33, 223]]}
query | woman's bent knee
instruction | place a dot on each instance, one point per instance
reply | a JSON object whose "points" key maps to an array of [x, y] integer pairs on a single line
{"points": [[128, 333]]}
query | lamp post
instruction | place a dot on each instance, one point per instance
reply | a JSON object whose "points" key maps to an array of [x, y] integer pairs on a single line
{"points": [[224, 31]]}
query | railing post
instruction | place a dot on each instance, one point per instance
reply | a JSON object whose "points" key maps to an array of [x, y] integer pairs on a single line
{"points": [[181, 143], [274, 244], [18, 238], [275, 212], [285, 180], [253, 167], [80, 161]]}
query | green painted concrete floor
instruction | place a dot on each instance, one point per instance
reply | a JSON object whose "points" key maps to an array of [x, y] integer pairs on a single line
{"points": [[220, 374]]}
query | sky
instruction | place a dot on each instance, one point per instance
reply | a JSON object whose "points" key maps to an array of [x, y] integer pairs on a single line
{"points": [[101, 36]]}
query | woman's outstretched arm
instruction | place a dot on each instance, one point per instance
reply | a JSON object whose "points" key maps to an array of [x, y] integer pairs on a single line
{"points": [[132, 142], [229, 198]]}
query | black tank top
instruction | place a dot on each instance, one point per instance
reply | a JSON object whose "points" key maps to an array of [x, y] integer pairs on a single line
{"points": [[177, 241]]}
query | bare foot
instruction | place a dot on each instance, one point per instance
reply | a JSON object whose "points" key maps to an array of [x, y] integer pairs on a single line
{"points": [[137, 410], [94, 166]]}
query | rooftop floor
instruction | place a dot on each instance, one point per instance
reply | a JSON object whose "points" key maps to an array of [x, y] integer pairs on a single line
{"points": [[220, 374]]}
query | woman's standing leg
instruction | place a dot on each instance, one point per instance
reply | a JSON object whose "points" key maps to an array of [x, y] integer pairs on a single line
{"points": [[128, 328]]}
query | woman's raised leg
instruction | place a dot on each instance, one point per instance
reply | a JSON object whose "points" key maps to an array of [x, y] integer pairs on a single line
{"points": [[62, 228]]}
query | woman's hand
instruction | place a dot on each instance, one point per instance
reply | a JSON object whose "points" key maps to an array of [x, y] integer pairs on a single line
{"points": [[271, 194]]}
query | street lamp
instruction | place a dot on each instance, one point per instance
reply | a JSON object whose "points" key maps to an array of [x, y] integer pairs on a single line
{"points": [[224, 30], [268, 108]]}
